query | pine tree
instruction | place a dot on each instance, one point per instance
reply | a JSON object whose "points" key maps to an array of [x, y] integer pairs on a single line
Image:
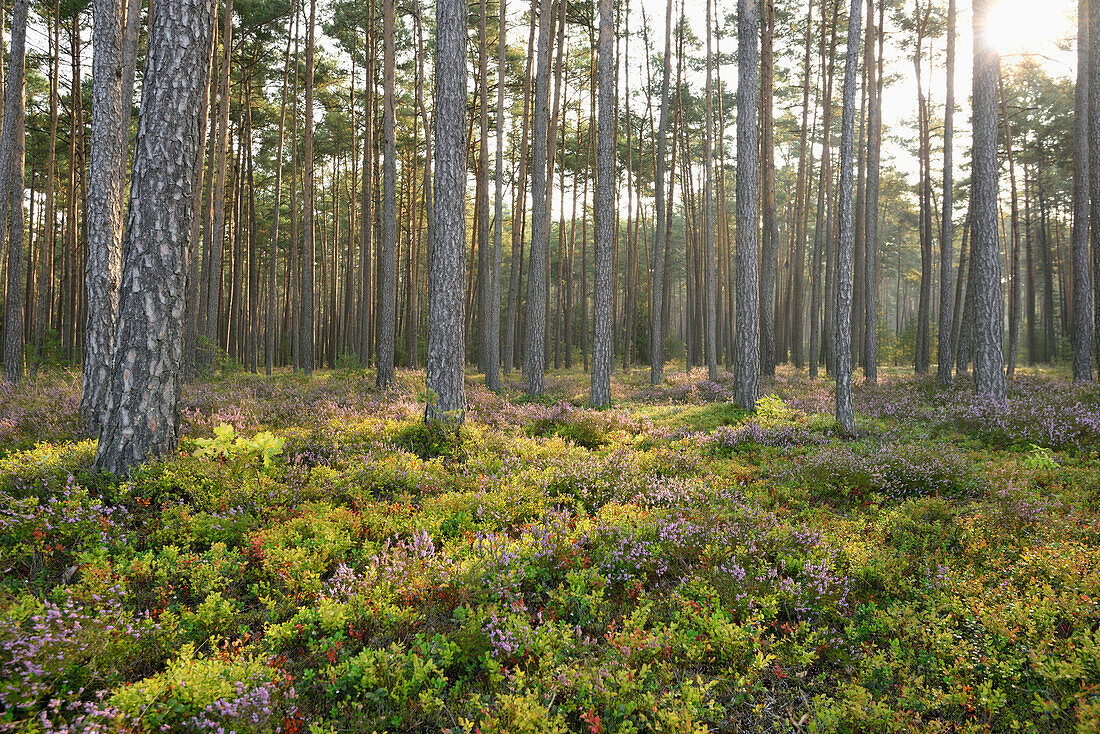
{"points": [[142, 417], [746, 359]]}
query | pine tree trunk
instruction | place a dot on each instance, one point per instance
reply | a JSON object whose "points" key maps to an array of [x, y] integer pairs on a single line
{"points": [[1016, 289], [769, 250], [604, 212], [388, 282], [946, 357], [656, 288], [104, 208], [802, 196], [217, 238], [1086, 137], [746, 362], [446, 299], [12, 149], [142, 418], [492, 375], [309, 256], [519, 210], [534, 347], [871, 219], [845, 414], [989, 375]]}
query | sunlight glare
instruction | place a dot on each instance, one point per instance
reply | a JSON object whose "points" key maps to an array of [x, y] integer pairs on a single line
{"points": [[1030, 27]]}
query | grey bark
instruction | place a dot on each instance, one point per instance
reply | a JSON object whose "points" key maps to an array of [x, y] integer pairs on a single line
{"points": [[989, 374], [711, 296], [746, 358], [604, 211], [1084, 141], [142, 418], [656, 290], [492, 374], [12, 149], [217, 235], [306, 323], [446, 277], [519, 211], [272, 311], [130, 37], [534, 347], [103, 266], [484, 268], [388, 282], [769, 250], [845, 414], [871, 239], [946, 350]]}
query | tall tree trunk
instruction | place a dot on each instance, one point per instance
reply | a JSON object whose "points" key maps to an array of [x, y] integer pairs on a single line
{"points": [[217, 237], [769, 250], [484, 269], [492, 375], [534, 348], [802, 196], [446, 300], [710, 315], [519, 209], [12, 150], [1086, 141], [845, 414], [989, 375], [307, 301], [604, 212], [104, 207], [142, 419], [746, 362], [47, 251], [1016, 292], [871, 219], [656, 288], [946, 357], [388, 284], [272, 322]]}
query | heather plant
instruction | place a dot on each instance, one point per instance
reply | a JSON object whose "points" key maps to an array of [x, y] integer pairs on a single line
{"points": [[842, 473], [670, 564]]}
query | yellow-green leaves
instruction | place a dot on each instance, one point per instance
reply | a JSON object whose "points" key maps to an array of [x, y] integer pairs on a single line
{"points": [[226, 444]]}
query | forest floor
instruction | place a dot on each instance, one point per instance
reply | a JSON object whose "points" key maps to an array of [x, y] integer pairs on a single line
{"points": [[672, 564]]}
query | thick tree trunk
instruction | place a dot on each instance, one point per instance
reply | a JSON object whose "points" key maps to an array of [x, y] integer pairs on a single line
{"points": [[769, 250], [388, 282], [12, 150], [604, 212], [989, 375], [871, 218], [534, 343], [142, 418], [746, 358], [104, 207], [845, 414], [446, 299]]}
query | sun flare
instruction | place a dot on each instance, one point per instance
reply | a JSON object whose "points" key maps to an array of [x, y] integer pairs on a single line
{"points": [[1030, 27]]}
